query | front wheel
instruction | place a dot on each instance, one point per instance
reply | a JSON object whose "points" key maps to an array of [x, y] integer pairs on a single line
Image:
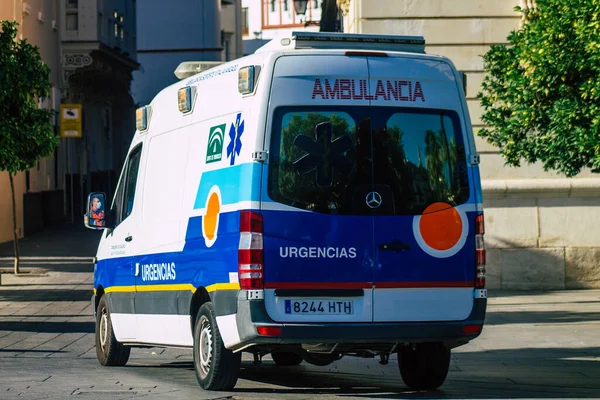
{"points": [[424, 367], [216, 367], [108, 350]]}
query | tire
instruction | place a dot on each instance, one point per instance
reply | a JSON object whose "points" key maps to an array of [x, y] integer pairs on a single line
{"points": [[216, 367], [108, 350], [321, 360], [425, 367], [286, 358]]}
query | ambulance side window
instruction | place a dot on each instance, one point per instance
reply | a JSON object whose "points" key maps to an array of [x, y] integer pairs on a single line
{"points": [[123, 201], [117, 203], [133, 166]]}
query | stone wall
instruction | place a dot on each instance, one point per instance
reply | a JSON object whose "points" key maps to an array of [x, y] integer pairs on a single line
{"points": [[542, 234]]}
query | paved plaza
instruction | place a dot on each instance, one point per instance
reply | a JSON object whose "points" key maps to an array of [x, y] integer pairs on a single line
{"points": [[534, 345]]}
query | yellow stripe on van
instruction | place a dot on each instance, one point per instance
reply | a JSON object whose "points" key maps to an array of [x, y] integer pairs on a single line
{"points": [[165, 288], [119, 289], [172, 287], [223, 286]]}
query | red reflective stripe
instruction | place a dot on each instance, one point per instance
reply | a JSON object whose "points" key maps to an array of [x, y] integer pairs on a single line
{"points": [[318, 285], [365, 285], [401, 285]]}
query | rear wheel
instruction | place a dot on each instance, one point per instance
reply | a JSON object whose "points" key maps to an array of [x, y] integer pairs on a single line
{"points": [[425, 367], [108, 350], [217, 368], [286, 358]]}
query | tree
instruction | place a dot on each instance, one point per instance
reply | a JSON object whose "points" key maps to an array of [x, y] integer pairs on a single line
{"points": [[26, 132], [541, 94]]}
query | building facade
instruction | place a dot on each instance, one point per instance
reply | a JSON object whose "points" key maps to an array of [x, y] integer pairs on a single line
{"points": [[89, 46], [265, 19], [194, 30]]}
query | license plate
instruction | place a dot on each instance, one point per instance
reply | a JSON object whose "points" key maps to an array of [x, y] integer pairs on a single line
{"points": [[319, 307]]}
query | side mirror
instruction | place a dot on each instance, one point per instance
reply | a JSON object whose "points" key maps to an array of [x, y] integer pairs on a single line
{"points": [[95, 216]]}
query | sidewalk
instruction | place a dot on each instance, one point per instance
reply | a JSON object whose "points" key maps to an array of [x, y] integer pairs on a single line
{"points": [[68, 240]]}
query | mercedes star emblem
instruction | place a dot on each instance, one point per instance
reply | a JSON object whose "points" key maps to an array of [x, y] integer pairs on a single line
{"points": [[373, 199]]}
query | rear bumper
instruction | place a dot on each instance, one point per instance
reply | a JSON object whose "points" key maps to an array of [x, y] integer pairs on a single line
{"points": [[251, 314]]}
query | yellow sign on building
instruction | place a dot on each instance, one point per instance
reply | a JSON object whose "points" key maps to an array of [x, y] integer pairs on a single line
{"points": [[70, 121]]}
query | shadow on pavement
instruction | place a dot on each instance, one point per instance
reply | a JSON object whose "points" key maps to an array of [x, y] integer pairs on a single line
{"points": [[513, 373], [26, 295], [68, 240], [539, 317], [48, 326], [30, 351], [44, 266]]}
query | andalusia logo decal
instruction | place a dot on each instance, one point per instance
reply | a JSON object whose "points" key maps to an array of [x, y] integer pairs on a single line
{"points": [[235, 132], [214, 150]]}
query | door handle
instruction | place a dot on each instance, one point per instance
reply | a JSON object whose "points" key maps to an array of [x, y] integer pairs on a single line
{"points": [[129, 238], [395, 245]]}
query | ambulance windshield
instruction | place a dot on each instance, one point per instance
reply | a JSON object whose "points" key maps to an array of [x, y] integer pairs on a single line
{"points": [[328, 160]]}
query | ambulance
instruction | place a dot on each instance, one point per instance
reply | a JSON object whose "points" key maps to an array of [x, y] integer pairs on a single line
{"points": [[320, 198]]}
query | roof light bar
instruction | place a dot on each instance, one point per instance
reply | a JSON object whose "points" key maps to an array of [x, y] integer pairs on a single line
{"points": [[324, 40], [190, 68]]}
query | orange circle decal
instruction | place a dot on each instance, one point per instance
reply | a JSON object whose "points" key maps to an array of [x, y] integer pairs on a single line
{"points": [[210, 218], [212, 213], [441, 226]]}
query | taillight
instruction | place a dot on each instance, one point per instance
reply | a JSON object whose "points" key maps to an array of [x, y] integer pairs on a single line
{"points": [[471, 329], [250, 251], [479, 253], [269, 330]]}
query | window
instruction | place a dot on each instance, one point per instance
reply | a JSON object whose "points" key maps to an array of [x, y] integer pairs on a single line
{"points": [[72, 3], [117, 204], [132, 172], [321, 186], [72, 22], [122, 204], [326, 159], [245, 22]]}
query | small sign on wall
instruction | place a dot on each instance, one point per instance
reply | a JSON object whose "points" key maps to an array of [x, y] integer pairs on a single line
{"points": [[70, 121]]}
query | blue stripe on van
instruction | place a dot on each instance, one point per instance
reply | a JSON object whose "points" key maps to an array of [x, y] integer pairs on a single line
{"points": [[203, 266], [235, 184]]}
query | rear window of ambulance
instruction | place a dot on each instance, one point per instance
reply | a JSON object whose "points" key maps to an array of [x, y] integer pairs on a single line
{"points": [[326, 159]]}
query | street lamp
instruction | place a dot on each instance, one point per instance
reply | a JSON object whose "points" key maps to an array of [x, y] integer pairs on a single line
{"points": [[300, 6]]}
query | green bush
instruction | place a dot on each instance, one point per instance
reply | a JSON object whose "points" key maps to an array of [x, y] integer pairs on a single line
{"points": [[541, 92]]}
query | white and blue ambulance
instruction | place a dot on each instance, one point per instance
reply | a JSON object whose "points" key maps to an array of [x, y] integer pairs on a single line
{"points": [[317, 199]]}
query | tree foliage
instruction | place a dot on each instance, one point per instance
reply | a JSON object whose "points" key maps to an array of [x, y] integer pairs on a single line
{"points": [[26, 132], [541, 93]]}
